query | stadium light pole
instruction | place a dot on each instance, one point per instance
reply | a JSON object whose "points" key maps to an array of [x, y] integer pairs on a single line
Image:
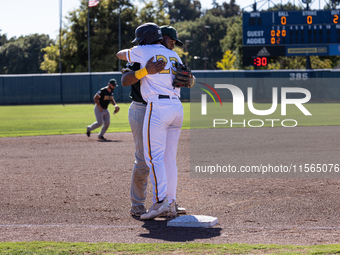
{"points": [[205, 47], [60, 29], [88, 38], [196, 57], [119, 35], [186, 51], [89, 50]]}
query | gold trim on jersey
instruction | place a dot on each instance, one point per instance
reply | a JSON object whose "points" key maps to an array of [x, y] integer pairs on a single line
{"points": [[149, 151], [172, 60], [108, 98], [129, 56]]}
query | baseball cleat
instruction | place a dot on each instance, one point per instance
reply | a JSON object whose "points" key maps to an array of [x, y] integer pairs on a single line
{"points": [[156, 210], [175, 210], [102, 138], [172, 212], [88, 133], [137, 210], [180, 210]]}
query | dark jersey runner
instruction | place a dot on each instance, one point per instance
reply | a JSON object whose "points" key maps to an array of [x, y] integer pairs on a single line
{"points": [[105, 97]]}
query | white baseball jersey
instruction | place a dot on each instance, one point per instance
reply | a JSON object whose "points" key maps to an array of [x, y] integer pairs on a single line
{"points": [[160, 83]]}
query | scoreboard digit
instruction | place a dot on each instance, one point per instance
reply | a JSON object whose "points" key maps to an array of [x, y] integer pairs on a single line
{"points": [[260, 61]]}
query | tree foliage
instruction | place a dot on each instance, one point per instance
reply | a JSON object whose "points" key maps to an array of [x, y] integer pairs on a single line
{"points": [[22, 55], [154, 11], [233, 40], [3, 39], [181, 10], [225, 10], [299, 63], [288, 7], [205, 34], [332, 4], [51, 59], [104, 37], [227, 62]]}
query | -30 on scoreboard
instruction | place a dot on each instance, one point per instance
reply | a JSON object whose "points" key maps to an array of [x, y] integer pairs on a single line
{"points": [[291, 28]]}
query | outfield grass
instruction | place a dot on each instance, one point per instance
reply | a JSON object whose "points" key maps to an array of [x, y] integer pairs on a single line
{"points": [[34, 120], [163, 248]]}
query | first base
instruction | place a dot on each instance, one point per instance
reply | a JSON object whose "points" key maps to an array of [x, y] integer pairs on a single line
{"points": [[199, 221]]}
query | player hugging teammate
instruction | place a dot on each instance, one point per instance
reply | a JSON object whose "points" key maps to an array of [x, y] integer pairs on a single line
{"points": [[160, 111]]}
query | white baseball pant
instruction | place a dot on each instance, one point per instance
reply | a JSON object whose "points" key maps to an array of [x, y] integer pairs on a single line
{"points": [[162, 126]]}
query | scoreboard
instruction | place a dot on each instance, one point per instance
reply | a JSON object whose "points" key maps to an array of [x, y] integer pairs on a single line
{"points": [[291, 33]]}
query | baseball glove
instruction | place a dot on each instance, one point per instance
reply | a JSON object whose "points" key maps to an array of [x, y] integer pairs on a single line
{"points": [[183, 77], [116, 109]]}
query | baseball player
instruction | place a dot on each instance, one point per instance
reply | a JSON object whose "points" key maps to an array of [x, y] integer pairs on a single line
{"points": [[170, 37], [140, 172], [163, 118], [102, 99]]}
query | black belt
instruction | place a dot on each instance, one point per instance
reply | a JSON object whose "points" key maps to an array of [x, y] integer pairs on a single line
{"points": [[140, 101], [167, 97], [163, 96]]}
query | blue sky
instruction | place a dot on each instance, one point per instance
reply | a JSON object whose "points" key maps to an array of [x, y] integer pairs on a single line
{"points": [[23, 17]]}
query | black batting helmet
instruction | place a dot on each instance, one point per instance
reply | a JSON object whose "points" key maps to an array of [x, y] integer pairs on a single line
{"points": [[147, 33]]}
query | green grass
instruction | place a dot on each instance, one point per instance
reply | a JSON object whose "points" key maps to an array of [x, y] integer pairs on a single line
{"points": [[33, 120], [162, 248]]}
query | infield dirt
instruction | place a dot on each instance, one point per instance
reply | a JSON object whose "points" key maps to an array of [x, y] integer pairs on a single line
{"points": [[76, 189]]}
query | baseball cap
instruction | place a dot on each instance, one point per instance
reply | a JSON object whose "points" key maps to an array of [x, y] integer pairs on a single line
{"points": [[113, 82], [147, 33], [170, 31]]}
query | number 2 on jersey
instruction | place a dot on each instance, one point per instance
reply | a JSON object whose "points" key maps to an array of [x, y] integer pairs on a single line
{"points": [[173, 61]]}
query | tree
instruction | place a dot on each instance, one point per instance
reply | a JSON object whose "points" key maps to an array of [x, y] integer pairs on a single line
{"points": [[180, 10], [299, 63], [154, 12], [180, 52], [227, 62], [332, 4], [23, 55], [225, 10], [3, 39], [51, 59], [233, 40], [205, 33], [287, 7], [104, 37]]}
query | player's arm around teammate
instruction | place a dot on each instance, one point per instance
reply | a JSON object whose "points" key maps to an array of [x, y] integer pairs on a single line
{"points": [[129, 78]]}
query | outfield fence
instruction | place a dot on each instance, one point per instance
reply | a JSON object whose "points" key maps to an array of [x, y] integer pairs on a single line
{"points": [[81, 87]]}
